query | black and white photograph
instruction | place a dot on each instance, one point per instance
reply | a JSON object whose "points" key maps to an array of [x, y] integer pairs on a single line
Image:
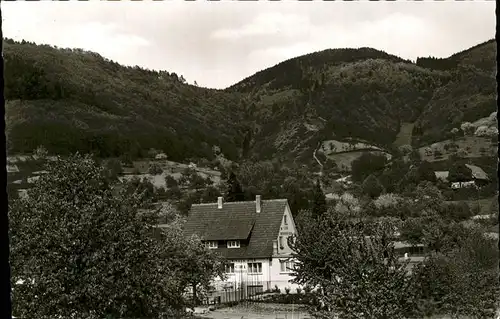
{"points": [[250, 160]]}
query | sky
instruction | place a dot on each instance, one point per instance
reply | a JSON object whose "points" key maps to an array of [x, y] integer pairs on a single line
{"points": [[218, 44]]}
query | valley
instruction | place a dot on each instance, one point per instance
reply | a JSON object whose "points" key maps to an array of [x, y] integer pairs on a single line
{"points": [[353, 134]]}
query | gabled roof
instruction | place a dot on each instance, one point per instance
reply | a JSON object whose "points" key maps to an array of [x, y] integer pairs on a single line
{"points": [[477, 172], [239, 221], [443, 175], [12, 168]]}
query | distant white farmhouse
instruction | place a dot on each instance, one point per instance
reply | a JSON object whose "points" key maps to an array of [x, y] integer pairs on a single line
{"points": [[479, 177]]}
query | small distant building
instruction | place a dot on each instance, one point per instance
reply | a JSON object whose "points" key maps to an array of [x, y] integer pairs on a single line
{"points": [[406, 249], [344, 180], [457, 185], [479, 176], [479, 217], [40, 172], [33, 179], [161, 156], [12, 168], [442, 175], [23, 193]]}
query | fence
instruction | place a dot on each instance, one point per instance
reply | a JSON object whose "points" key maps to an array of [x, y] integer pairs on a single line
{"points": [[237, 291]]}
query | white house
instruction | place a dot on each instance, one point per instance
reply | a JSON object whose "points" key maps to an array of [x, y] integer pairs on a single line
{"points": [[479, 177], [161, 156], [253, 236]]}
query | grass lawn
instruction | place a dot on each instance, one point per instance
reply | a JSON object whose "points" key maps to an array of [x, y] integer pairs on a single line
{"points": [[259, 311]]}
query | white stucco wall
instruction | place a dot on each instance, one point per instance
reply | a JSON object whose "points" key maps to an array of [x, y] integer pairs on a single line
{"points": [[271, 275], [241, 274]]}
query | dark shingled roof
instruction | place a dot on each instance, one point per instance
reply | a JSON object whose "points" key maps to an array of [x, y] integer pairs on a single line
{"points": [[239, 221]]}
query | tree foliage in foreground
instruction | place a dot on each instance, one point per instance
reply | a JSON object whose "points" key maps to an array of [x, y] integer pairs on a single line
{"points": [[462, 281], [79, 249], [359, 277]]}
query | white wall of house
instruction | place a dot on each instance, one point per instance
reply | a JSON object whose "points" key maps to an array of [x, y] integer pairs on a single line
{"points": [[287, 229], [243, 274], [273, 272], [280, 275], [456, 185]]}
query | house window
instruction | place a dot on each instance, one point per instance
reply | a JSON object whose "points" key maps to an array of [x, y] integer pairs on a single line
{"points": [[254, 268], [229, 269], [286, 266], [233, 244], [285, 223], [281, 242], [211, 244]]}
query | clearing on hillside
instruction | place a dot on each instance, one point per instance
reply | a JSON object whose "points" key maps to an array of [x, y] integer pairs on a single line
{"points": [[468, 146], [344, 160], [405, 134], [173, 169], [483, 206], [329, 147]]}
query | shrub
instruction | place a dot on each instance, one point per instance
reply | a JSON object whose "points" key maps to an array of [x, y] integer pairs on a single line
{"points": [[299, 291], [304, 299], [307, 289], [155, 169], [287, 290]]}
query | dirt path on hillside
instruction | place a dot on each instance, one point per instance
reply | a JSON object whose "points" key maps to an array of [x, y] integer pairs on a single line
{"points": [[405, 134]]}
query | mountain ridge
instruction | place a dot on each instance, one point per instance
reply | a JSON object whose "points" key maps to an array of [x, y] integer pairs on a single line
{"points": [[280, 112]]}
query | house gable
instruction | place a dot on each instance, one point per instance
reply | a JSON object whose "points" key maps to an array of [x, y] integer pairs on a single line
{"points": [[287, 229], [477, 172], [256, 231]]}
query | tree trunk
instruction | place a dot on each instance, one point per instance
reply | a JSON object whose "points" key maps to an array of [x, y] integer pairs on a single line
{"points": [[195, 295]]}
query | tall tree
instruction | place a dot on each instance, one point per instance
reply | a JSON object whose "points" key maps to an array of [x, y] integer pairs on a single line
{"points": [[234, 190], [318, 204], [459, 173], [358, 277], [463, 282], [81, 249], [425, 172], [366, 165], [372, 186]]}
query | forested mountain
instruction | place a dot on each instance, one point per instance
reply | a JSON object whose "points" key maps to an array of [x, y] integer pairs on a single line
{"points": [[69, 99], [469, 96], [365, 94]]}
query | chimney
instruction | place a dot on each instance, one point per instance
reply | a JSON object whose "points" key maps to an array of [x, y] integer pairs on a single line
{"points": [[257, 203], [275, 247], [219, 202]]}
